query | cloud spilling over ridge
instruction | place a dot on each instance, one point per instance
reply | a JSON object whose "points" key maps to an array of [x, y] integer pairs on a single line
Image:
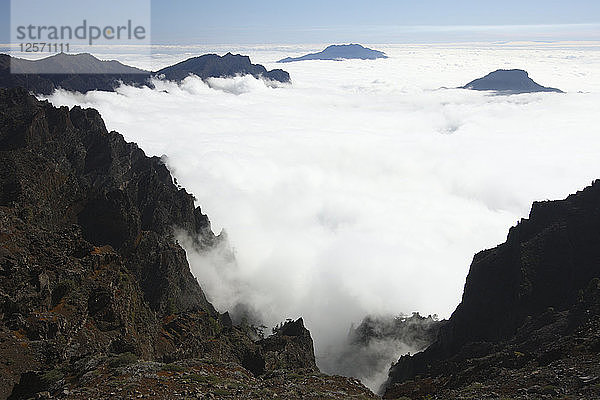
{"points": [[361, 189], [378, 341]]}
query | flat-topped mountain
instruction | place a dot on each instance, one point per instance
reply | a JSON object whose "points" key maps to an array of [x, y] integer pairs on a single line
{"points": [[340, 52], [97, 299], [84, 72], [215, 66], [510, 81], [529, 321]]}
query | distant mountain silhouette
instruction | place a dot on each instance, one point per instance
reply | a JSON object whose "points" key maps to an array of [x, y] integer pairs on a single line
{"points": [[84, 72], [63, 63], [214, 66], [74, 72], [339, 52], [511, 81]]}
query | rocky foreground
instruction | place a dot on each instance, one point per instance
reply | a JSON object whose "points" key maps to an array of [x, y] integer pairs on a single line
{"points": [[96, 296]]}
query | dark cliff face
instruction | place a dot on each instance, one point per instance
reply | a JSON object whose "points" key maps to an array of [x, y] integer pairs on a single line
{"points": [[63, 167], [94, 288], [340, 52], [513, 81], [214, 66], [525, 296]]}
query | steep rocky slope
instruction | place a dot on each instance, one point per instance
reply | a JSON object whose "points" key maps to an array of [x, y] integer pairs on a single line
{"points": [[96, 295], [527, 326]]}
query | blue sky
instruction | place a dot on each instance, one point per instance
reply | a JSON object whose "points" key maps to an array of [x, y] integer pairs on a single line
{"points": [[376, 21]]}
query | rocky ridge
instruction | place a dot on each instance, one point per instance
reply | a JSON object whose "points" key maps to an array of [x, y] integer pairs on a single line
{"points": [[214, 66], [84, 72]]}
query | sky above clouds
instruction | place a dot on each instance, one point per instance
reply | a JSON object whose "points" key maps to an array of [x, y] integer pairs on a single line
{"points": [[382, 21]]}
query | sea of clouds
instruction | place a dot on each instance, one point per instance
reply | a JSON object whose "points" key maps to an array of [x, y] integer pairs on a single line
{"points": [[363, 187]]}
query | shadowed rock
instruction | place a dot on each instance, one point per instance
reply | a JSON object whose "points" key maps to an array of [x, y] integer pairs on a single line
{"points": [[340, 52]]}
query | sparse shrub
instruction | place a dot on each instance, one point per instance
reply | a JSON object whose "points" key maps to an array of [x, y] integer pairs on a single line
{"points": [[173, 368], [122, 360], [549, 390], [51, 377], [171, 307], [201, 379], [214, 326]]}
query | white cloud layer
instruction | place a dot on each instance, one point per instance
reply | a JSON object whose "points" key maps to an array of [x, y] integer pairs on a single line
{"points": [[362, 188]]}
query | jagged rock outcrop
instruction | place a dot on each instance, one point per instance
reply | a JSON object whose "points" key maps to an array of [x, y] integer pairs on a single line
{"points": [[340, 52], [215, 66], [291, 348], [511, 81], [96, 295], [84, 72], [528, 317]]}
